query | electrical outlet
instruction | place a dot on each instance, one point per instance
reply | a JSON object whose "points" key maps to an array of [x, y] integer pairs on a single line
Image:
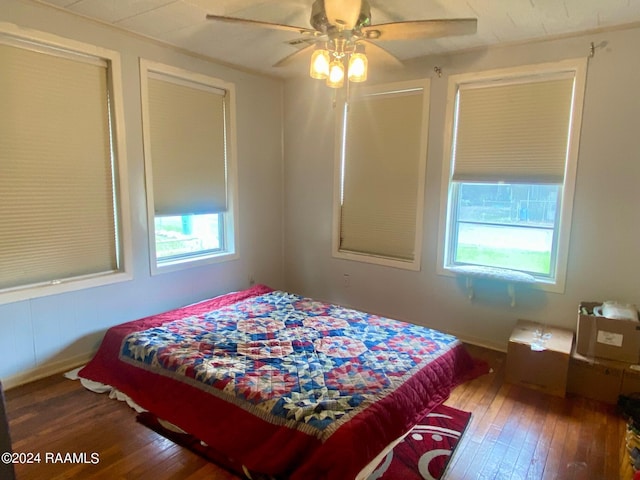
{"points": [[346, 280], [252, 280]]}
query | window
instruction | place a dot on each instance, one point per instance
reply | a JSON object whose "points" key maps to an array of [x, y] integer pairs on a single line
{"points": [[510, 170], [381, 165], [62, 185], [505, 225], [190, 172], [183, 235]]}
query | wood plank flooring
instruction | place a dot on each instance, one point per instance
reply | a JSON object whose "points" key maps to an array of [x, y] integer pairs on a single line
{"points": [[515, 433]]}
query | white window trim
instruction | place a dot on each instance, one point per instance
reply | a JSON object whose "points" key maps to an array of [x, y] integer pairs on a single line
{"points": [[415, 264], [13, 34], [579, 66], [230, 218]]}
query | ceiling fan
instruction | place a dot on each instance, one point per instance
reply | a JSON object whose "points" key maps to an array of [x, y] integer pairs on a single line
{"points": [[341, 32]]}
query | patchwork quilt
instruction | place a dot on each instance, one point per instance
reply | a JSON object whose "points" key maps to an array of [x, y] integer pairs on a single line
{"points": [[285, 385]]}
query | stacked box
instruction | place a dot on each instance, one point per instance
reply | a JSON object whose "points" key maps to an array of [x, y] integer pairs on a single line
{"points": [[606, 337], [596, 378]]}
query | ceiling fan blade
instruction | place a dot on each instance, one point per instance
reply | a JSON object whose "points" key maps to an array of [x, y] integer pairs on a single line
{"points": [[301, 40], [306, 51], [417, 29], [256, 23], [379, 55], [343, 14]]}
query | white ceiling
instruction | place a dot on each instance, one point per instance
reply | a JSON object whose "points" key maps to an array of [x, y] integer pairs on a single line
{"points": [[183, 24]]}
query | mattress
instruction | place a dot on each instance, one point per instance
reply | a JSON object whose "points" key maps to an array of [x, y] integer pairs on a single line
{"points": [[283, 385]]}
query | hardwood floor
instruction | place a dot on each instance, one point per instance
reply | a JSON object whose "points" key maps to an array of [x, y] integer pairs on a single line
{"points": [[515, 433]]}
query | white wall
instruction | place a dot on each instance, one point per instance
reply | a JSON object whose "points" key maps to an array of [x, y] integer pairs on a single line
{"points": [[604, 259], [47, 334]]}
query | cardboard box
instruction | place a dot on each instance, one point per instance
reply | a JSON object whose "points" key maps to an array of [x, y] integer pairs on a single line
{"points": [[606, 337], [596, 378], [630, 380], [544, 370]]}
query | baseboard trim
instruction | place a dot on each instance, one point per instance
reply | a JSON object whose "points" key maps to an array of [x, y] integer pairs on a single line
{"points": [[45, 370], [479, 342]]}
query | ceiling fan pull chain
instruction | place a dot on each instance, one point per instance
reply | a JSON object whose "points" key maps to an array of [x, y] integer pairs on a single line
{"points": [[347, 93]]}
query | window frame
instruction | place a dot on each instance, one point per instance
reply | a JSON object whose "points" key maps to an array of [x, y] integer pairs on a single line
{"points": [[229, 239], [578, 67], [43, 42], [339, 156]]}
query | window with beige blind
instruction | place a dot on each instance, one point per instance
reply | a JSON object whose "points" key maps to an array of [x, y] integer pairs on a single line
{"points": [[381, 169], [190, 172], [62, 183], [510, 170]]}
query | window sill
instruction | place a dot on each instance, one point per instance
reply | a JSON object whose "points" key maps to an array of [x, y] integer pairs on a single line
{"points": [[197, 261], [413, 265], [28, 292], [548, 285]]}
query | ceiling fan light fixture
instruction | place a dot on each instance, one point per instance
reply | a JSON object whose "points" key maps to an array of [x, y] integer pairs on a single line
{"points": [[319, 67], [343, 14], [336, 74], [358, 66]]}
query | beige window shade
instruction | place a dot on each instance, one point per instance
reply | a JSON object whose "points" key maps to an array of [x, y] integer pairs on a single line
{"points": [[381, 171], [516, 133], [187, 138], [57, 217]]}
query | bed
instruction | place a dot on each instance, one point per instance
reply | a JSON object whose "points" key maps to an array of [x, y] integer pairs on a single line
{"points": [[286, 386]]}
